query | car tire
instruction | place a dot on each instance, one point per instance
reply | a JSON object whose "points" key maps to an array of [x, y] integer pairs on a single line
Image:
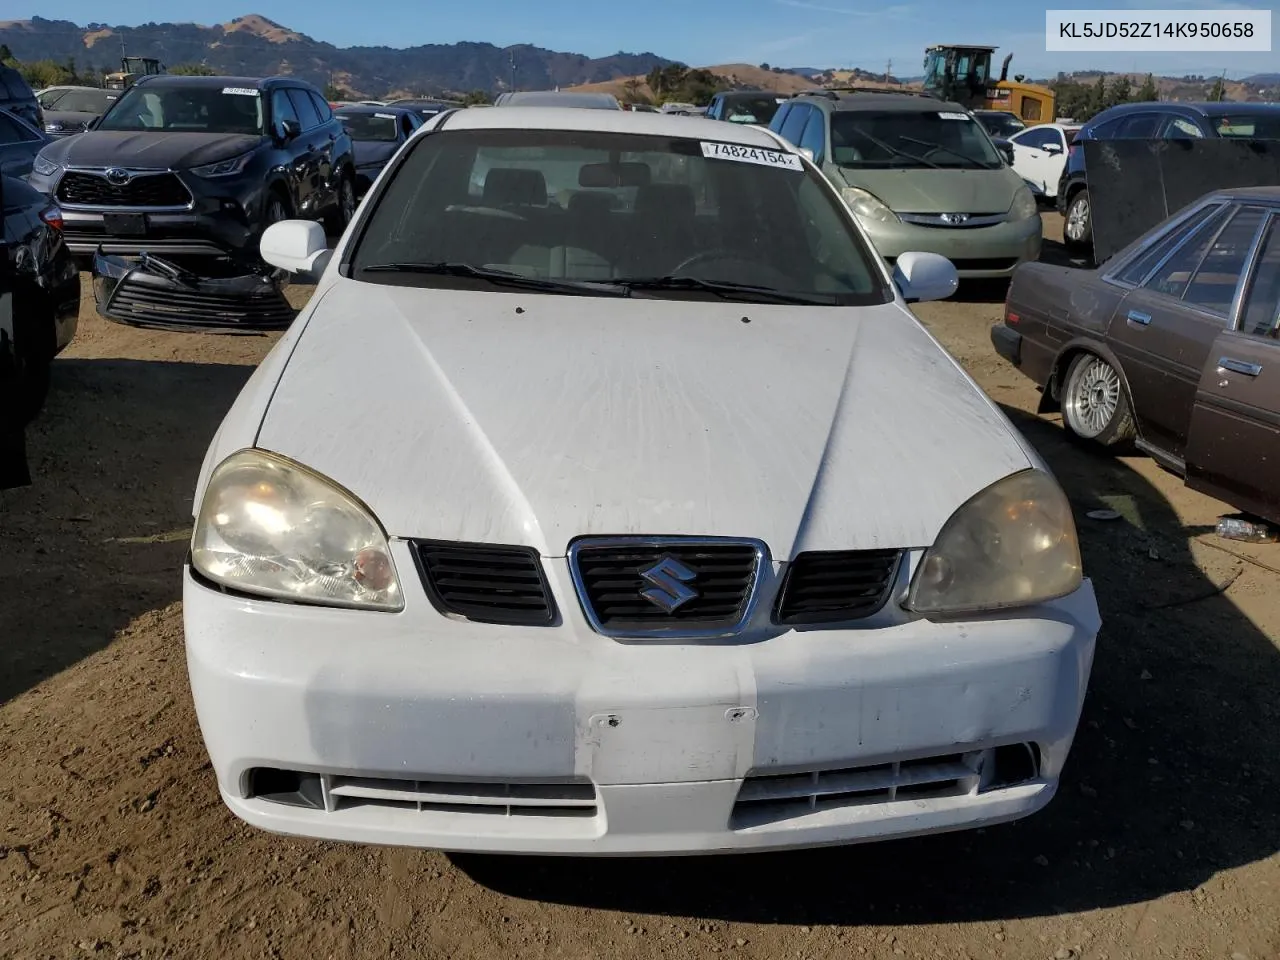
{"points": [[1077, 226], [335, 222], [277, 209], [1095, 404]]}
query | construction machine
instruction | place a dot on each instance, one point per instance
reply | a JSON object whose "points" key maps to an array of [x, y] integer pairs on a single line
{"points": [[963, 75], [131, 68]]}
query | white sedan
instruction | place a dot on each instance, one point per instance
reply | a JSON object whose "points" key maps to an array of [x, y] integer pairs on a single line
{"points": [[649, 522], [1040, 155]]}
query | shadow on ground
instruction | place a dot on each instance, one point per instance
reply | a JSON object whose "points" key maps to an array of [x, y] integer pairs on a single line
{"points": [[117, 440], [1170, 780]]}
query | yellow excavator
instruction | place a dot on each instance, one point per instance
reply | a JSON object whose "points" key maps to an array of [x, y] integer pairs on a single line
{"points": [[130, 69], [963, 75]]}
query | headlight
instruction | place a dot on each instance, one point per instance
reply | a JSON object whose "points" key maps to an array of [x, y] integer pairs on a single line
{"points": [[1012, 545], [867, 206], [44, 166], [271, 527], [223, 168], [1024, 204]]}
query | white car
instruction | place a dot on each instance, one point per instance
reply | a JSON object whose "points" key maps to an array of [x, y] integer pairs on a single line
{"points": [[1040, 155], [653, 523]]}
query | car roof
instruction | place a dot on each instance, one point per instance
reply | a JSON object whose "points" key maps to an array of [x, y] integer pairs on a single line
{"points": [[609, 121], [1204, 109], [370, 109], [1268, 194], [853, 101], [551, 97], [177, 80]]}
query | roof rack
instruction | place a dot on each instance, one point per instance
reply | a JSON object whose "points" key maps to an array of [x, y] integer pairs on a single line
{"points": [[833, 93]]}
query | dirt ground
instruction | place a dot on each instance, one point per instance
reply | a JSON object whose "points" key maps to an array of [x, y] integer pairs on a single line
{"points": [[1162, 842]]}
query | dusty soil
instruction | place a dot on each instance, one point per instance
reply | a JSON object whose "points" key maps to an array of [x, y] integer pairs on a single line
{"points": [[1162, 843]]}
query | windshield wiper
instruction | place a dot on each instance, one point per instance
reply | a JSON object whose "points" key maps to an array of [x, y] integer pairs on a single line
{"points": [[727, 291], [970, 161], [895, 151], [446, 268]]}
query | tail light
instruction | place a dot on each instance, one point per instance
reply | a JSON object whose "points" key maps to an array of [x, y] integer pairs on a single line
{"points": [[52, 216]]}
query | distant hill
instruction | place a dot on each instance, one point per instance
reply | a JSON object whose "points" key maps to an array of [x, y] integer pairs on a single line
{"points": [[252, 45]]}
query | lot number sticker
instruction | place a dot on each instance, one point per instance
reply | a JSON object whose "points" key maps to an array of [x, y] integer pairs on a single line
{"points": [[240, 91], [766, 158], [954, 116], [385, 116]]}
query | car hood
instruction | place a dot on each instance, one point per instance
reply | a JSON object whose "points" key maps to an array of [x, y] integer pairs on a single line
{"points": [[939, 191], [372, 151], [533, 419], [69, 118], [111, 148]]}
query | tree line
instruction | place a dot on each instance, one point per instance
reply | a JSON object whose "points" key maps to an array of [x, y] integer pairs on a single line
{"points": [[1081, 101]]}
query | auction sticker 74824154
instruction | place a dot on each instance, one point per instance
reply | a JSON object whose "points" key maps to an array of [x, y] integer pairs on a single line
{"points": [[767, 158]]}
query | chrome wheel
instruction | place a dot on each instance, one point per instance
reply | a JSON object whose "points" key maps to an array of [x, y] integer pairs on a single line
{"points": [[1093, 397], [348, 201], [276, 211], [1077, 227]]}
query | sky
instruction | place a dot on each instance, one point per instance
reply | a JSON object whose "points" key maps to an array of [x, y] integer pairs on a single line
{"points": [[789, 33]]}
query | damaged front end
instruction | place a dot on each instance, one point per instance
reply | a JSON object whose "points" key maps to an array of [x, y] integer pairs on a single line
{"points": [[224, 297]]}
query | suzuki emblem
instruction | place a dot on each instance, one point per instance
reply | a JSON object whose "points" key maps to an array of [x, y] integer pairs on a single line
{"points": [[669, 578], [117, 176]]}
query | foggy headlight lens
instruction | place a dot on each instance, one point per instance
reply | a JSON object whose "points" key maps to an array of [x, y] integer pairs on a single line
{"points": [[44, 166], [1012, 545], [867, 206], [271, 527], [1024, 204]]}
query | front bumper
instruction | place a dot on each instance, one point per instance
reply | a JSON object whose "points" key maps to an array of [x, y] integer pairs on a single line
{"points": [[414, 729], [186, 233], [151, 292], [977, 252], [1008, 343]]}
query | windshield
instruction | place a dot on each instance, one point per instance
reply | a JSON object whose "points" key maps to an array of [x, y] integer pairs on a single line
{"points": [[758, 110], [910, 139], [203, 109], [370, 126], [1250, 126], [603, 208], [85, 101]]}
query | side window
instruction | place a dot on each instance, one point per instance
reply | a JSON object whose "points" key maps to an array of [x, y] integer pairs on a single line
{"points": [[1105, 131], [1171, 279], [13, 132], [780, 118], [713, 111], [282, 108], [814, 136], [1034, 138], [1213, 286], [1261, 315], [1139, 126], [1137, 271], [306, 110], [793, 129], [1180, 128], [322, 107]]}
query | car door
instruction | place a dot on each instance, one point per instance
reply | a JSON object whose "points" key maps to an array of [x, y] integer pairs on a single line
{"points": [[326, 139], [1233, 446], [814, 136], [1164, 329], [306, 152], [1032, 158]]}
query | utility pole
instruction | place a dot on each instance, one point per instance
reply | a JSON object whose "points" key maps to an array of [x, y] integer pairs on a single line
{"points": [[513, 71], [888, 71]]}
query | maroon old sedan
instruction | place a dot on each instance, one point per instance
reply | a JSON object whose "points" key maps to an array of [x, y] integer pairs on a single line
{"points": [[1171, 345]]}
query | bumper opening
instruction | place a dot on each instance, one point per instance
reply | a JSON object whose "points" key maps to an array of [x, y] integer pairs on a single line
{"points": [[223, 295], [286, 786]]}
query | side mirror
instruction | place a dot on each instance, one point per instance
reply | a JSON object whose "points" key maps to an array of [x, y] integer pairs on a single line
{"points": [[287, 130], [1006, 151], [93, 124], [297, 247], [925, 276]]}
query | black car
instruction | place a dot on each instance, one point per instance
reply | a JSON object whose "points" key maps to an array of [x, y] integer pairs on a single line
{"points": [[425, 107], [745, 106], [376, 134], [45, 304], [71, 110], [1152, 121], [200, 166], [17, 96], [1000, 123]]}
